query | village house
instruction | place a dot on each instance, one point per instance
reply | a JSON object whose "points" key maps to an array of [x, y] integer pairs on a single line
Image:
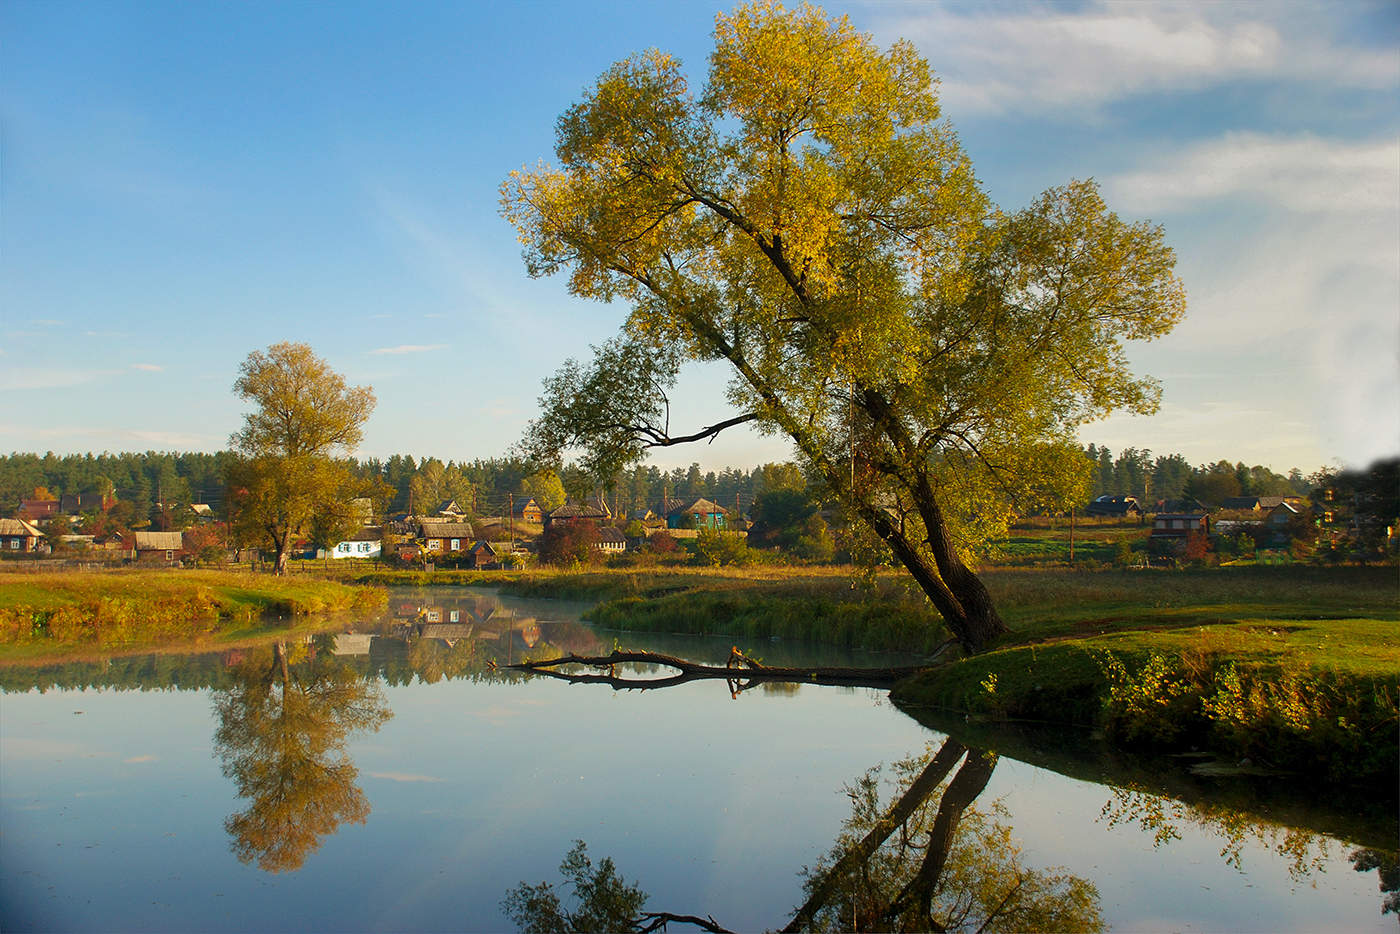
{"points": [[700, 514], [75, 503], [19, 537], [442, 538], [366, 542], [610, 540], [1179, 525], [1114, 506], [155, 547], [525, 507], [37, 510], [486, 555], [448, 509], [575, 512]]}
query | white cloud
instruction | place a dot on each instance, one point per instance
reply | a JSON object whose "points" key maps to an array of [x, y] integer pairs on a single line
{"points": [[998, 59], [147, 367], [1299, 173], [408, 348]]}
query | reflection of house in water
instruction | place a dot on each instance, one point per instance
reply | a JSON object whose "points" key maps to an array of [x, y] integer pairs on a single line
{"points": [[447, 632], [452, 619], [352, 643]]}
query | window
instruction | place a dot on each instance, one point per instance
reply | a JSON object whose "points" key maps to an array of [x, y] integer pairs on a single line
{"points": [[364, 547], [169, 555], [456, 544], [434, 544], [454, 615], [14, 544]]}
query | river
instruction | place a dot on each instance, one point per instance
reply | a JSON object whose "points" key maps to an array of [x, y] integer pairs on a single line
{"points": [[386, 778]]}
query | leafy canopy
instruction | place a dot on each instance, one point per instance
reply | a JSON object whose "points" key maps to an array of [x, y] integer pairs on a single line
{"points": [[811, 220]]}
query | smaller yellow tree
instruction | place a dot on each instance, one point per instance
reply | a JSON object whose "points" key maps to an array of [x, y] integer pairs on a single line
{"points": [[285, 477]]}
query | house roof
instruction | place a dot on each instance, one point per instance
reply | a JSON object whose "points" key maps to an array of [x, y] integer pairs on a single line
{"points": [[158, 541], [611, 535], [367, 533], [578, 511], [1241, 502], [19, 527], [449, 507], [700, 506], [448, 530], [446, 631], [202, 509], [1273, 502]]}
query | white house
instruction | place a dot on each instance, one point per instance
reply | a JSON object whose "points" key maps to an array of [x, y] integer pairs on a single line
{"points": [[365, 543]]}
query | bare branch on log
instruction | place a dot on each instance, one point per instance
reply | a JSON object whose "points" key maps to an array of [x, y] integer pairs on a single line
{"points": [[741, 671], [657, 921]]}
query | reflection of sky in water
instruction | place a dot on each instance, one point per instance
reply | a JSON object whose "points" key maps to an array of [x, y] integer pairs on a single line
{"points": [[113, 817]]}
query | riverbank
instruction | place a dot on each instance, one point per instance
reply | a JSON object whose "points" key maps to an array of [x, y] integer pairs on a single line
{"points": [[49, 614], [1294, 669]]}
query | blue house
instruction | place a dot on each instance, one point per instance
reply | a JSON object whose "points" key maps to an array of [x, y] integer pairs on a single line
{"points": [[701, 514]]}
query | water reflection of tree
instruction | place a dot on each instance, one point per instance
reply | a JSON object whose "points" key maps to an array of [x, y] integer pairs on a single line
{"points": [[283, 725], [1303, 851], [929, 860]]}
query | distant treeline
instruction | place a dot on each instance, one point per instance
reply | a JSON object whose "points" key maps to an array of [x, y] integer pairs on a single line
{"points": [[487, 487], [1169, 477]]}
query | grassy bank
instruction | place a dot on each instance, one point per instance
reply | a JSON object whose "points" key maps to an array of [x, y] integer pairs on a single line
{"points": [[1293, 668], [53, 613]]}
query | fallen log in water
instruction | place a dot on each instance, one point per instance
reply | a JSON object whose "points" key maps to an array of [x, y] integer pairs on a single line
{"points": [[740, 671]]}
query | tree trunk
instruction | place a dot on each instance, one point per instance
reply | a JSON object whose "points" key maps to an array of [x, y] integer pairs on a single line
{"points": [[955, 591]]}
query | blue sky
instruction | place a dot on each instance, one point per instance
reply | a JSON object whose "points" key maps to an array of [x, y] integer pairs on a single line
{"points": [[181, 184]]}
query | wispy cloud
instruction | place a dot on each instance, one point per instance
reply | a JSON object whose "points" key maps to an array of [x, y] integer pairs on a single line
{"points": [[98, 436], [147, 367], [404, 777], [33, 377], [408, 348], [1300, 173], [1000, 58], [136, 759]]}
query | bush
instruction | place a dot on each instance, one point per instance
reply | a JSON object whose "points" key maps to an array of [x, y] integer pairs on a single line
{"points": [[568, 544], [721, 549]]}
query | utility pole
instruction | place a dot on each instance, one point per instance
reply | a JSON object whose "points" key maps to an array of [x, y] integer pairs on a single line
{"points": [[1071, 536]]}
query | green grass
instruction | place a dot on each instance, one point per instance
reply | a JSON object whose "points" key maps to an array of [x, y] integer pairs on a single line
{"points": [[48, 613]]}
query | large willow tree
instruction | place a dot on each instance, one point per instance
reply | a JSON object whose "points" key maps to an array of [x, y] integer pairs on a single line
{"points": [[810, 220]]}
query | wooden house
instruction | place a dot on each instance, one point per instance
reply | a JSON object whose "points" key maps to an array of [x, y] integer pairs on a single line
{"points": [[610, 540], [1179, 525], [155, 547], [37, 510], [1114, 506], [525, 507], [491, 555], [445, 538], [76, 503], [700, 514], [575, 512], [18, 536], [448, 509]]}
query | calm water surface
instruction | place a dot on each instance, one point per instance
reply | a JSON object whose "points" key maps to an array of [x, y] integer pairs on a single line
{"points": [[251, 790]]}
